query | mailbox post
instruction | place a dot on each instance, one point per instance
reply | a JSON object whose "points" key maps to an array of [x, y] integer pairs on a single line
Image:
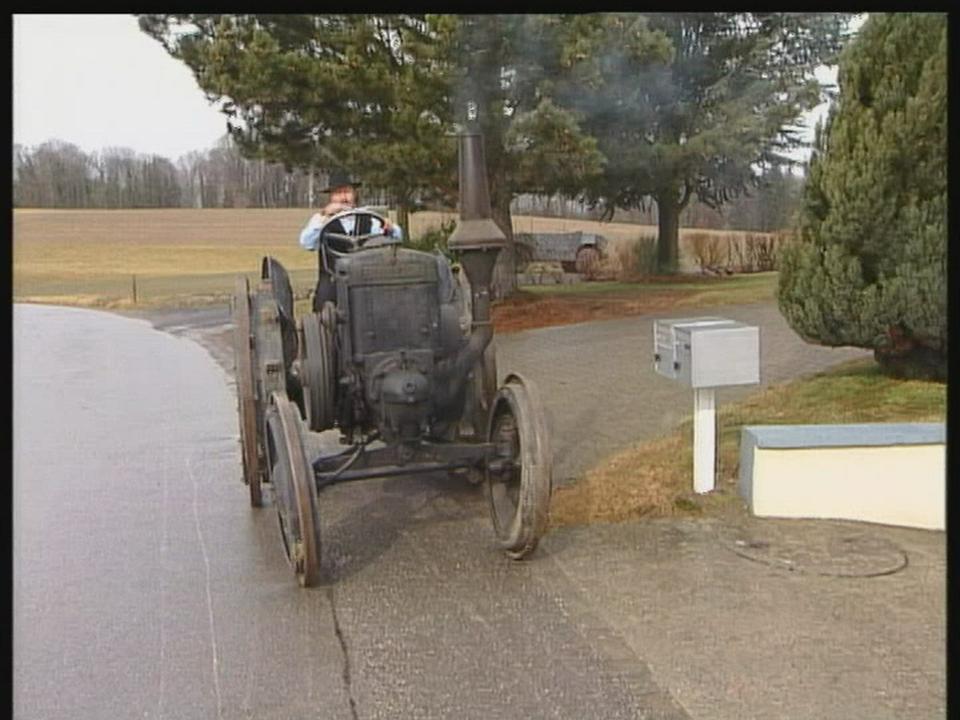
{"points": [[706, 353]]}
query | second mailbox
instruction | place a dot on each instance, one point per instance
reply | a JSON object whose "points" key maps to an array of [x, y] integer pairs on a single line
{"points": [[705, 352]]}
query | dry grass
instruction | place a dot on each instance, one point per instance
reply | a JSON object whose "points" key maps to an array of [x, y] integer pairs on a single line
{"points": [[186, 256], [654, 478]]}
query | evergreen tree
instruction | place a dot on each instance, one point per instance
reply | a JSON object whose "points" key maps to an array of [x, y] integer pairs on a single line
{"points": [[381, 94], [870, 267], [504, 71], [352, 92], [704, 120]]}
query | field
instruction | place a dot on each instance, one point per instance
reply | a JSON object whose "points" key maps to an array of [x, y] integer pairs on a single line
{"points": [[178, 257], [90, 257]]}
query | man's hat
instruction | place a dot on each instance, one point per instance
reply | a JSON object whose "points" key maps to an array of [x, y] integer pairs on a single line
{"points": [[339, 178]]}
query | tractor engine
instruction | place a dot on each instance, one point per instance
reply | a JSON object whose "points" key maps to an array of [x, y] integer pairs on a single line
{"points": [[402, 342]]}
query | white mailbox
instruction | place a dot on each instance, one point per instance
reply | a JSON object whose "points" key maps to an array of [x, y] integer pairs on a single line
{"points": [[706, 352]]}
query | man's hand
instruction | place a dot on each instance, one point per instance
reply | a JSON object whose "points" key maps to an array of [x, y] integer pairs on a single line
{"points": [[334, 207]]}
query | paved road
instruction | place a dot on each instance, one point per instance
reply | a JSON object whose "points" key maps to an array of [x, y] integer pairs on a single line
{"points": [[596, 378], [146, 587], [143, 588], [604, 395]]}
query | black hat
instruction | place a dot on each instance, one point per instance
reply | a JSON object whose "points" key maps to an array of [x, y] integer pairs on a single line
{"points": [[339, 178]]}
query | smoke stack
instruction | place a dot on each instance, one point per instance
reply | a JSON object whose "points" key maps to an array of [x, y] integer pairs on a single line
{"points": [[478, 241], [477, 237]]}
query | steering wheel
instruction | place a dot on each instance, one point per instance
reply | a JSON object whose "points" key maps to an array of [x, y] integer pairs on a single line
{"points": [[356, 240]]}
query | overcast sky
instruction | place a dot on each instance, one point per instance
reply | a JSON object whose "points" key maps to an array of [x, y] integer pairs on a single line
{"points": [[97, 81]]}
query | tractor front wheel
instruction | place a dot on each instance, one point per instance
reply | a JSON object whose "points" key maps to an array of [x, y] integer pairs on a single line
{"points": [[318, 371], [519, 478], [250, 443], [295, 490]]}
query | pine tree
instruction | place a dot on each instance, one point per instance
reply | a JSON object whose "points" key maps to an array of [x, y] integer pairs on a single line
{"points": [[382, 94], [870, 268], [704, 121]]}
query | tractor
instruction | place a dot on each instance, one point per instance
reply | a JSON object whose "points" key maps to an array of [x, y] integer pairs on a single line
{"points": [[387, 361]]}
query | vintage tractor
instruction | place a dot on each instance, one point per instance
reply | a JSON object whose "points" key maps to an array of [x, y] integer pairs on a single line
{"points": [[386, 360]]}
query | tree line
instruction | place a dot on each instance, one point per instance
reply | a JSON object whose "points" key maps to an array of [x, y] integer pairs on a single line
{"points": [[772, 206], [58, 174], [625, 111]]}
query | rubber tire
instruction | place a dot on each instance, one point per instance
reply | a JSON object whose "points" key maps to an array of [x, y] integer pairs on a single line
{"points": [[318, 376], [296, 492], [250, 442], [519, 534], [588, 258]]}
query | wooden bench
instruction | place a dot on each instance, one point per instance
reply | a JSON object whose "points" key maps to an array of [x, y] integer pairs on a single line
{"points": [[891, 473]]}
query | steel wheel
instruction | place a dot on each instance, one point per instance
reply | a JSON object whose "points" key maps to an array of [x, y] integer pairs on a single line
{"points": [[294, 489], [519, 493], [246, 389], [269, 374], [275, 275], [318, 373], [588, 258]]}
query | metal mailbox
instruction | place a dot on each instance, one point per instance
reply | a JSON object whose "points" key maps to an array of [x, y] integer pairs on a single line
{"points": [[706, 352]]}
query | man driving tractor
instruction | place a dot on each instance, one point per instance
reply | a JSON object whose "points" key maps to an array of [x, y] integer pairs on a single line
{"points": [[343, 198]]}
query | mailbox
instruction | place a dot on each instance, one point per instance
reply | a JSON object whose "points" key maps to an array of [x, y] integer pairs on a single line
{"points": [[705, 352]]}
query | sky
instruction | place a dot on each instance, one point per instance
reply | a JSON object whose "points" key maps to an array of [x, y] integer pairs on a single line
{"points": [[97, 81]]}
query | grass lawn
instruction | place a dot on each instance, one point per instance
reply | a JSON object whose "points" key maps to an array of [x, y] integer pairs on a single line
{"points": [[753, 282], [545, 305], [655, 478]]}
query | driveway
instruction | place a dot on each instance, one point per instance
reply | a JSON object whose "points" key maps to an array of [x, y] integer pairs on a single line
{"points": [[596, 378], [145, 586], [602, 393]]}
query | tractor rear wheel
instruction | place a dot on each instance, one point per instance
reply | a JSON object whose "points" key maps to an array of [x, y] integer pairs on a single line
{"points": [[519, 479], [250, 444], [274, 275], [294, 489]]}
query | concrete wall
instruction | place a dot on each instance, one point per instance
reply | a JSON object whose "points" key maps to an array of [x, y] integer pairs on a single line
{"points": [[885, 473]]}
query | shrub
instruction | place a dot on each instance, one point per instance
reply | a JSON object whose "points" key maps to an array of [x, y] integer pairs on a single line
{"points": [[869, 269], [760, 252], [707, 250], [637, 258], [435, 238]]}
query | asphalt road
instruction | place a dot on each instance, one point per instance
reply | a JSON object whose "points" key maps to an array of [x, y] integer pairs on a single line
{"points": [[596, 379], [146, 587]]}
